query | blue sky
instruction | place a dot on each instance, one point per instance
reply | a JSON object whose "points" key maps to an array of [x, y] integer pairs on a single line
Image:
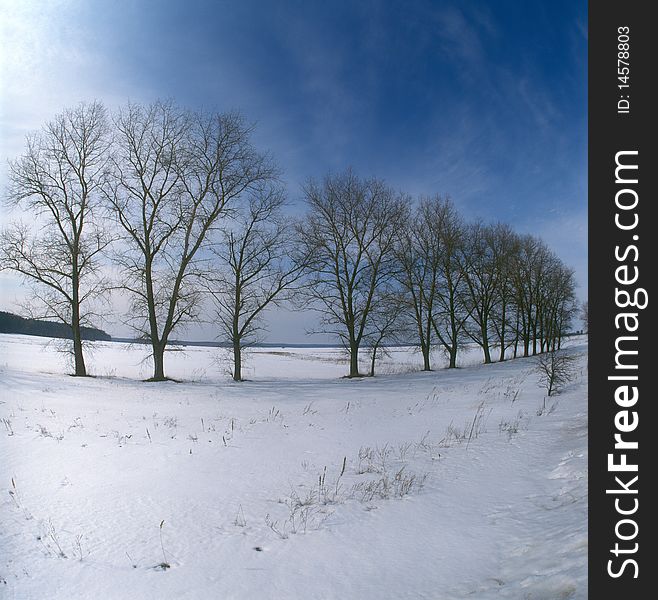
{"points": [[484, 101]]}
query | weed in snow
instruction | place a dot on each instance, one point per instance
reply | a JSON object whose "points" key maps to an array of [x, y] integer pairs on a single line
{"points": [[274, 415], [77, 423], [8, 427], [133, 564], [403, 449], [471, 430], [308, 511], [77, 547], [44, 432], [302, 517], [171, 422], [164, 565], [274, 526], [401, 484], [513, 426], [122, 438], [240, 520], [52, 535], [543, 410], [13, 493], [17, 500]]}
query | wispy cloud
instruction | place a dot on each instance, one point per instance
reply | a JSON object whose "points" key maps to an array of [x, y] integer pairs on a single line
{"points": [[483, 101]]}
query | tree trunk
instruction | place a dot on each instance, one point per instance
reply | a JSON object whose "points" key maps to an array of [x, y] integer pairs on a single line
{"points": [[487, 353], [502, 333], [453, 357], [354, 361], [485, 347], [372, 361], [454, 339], [237, 362], [425, 345], [158, 361], [80, 369], [157, 345], [426, 357]]}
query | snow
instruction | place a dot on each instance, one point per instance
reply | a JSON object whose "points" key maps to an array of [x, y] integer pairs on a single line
{"points": [[100, 475]]}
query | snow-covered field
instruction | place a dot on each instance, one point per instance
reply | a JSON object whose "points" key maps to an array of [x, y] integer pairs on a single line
{"points": [[295, 484]]}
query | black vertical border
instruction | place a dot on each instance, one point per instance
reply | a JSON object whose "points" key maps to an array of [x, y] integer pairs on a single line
{"points": [[609, 133]]}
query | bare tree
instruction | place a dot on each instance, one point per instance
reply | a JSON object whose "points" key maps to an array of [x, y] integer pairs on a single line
{"points": [[417, 250], [480, 257], [544, 297], [255, 266], [558, 305], [57, 180], [584, 315], [529, 272], [450, 312], [175, 176], [504, 308], [349, 236], [555, 369], [487, 257], [387, 326]]}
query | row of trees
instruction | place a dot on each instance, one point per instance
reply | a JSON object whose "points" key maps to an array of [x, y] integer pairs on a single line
{"points": [[179, 211], [147, 191], [383, 268]]}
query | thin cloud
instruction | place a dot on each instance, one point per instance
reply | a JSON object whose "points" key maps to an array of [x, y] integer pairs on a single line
{"points": [[481, 101]]}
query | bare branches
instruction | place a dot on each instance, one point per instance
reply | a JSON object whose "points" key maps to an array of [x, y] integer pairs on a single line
{"points": [[487, 254], [430, 252], [199, 217], [556, 369], [175, 175], [57, 181], [254, 267], [349, 236]]}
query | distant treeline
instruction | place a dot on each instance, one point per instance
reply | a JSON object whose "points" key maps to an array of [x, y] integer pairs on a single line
{"points": [[10, 323]]}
